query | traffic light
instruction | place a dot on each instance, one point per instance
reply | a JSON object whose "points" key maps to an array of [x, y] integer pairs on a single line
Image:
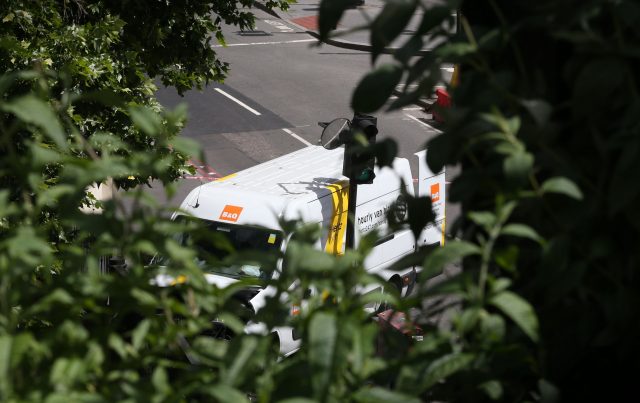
{"points": [[359, 159]]}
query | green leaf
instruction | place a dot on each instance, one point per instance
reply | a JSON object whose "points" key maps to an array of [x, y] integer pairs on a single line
{"points": [[323, 335], [522, 231], [118, 345], [144, 298], [562, 185], [139, 333], [444, 367], [517, 166], [453, 52], [419, 212], [160, 381], [409, 49], [505, 210], [378, 296], [492, 388], [492, 327], [145, 119], [468, 319], [28, 247], [389, 23], [500, 284], [507, 257], [452, 251], [385, 151], [485, 219], [187, 147], [51, 196], [5, 359], [107, 142], [549, 393], [243, 357], [329, 14], [305, 257], [105, 97], [32, 110], [519, 310], [377, 394], [56, 297], [43, 154], [413, 259], [67, 371], [375, 88], [540, 110], [227, 394], [433, 17]]}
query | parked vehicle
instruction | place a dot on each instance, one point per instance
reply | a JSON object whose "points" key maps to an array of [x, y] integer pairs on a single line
{"points": [[244, 210]]}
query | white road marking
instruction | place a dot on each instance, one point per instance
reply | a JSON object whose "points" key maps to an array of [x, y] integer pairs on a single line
{"points": [[413, 108], [421, 122], [279, 25], [239, 102], [265, 43], [295, 136]]}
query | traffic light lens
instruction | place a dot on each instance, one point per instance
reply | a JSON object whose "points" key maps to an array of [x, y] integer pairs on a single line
{"points": [[365, 176], [359, 159]]}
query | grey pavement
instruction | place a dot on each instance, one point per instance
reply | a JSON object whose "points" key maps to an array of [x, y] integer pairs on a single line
{"points": [[350, 32], [347, 34]]}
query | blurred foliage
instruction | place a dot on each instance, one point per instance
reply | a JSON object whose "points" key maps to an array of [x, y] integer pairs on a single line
{"points": [[71, 332], [543, 128], [545, 131]]}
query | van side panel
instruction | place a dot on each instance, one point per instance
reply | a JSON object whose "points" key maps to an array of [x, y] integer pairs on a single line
{"points": [[374, 202], [330, 210], [432, 185]]}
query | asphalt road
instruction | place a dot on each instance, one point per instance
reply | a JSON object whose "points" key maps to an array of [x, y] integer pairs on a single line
{"points": [[280, 85]]}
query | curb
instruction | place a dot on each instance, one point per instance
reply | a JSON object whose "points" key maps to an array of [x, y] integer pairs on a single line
{"points": [[360, 46], [260, 6]]}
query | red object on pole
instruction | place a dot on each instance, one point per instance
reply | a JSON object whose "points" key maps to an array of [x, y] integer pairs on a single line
{"points": [[443, 101]]}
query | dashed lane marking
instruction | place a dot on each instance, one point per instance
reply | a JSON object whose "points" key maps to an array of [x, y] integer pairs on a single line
{"points": [[421, 122], [239, 102], [295, 136], [277, 24]]}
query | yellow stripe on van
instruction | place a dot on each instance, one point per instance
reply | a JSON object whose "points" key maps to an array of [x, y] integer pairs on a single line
{"points": [[338, 227]]}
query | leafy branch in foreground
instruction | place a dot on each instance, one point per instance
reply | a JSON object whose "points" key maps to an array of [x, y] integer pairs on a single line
{"points": [[544, 130]]}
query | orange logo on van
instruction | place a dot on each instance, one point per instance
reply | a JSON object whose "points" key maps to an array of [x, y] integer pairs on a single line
{"points": [[435, 192], [230, 213]]}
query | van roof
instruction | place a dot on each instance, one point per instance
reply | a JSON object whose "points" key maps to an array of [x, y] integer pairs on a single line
{"points": [[303, 174]]}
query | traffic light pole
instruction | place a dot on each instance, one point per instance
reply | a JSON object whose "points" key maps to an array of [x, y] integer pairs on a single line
{"points": [[351, 215], [358, 166]]}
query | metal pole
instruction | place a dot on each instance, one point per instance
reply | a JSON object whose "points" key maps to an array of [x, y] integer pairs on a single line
{"points": [[351, 215]]}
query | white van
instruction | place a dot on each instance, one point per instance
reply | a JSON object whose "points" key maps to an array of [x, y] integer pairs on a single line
{"points": [[308, 185]]}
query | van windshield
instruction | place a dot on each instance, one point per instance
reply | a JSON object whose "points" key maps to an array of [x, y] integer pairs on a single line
{"points": [[213, 241]]}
